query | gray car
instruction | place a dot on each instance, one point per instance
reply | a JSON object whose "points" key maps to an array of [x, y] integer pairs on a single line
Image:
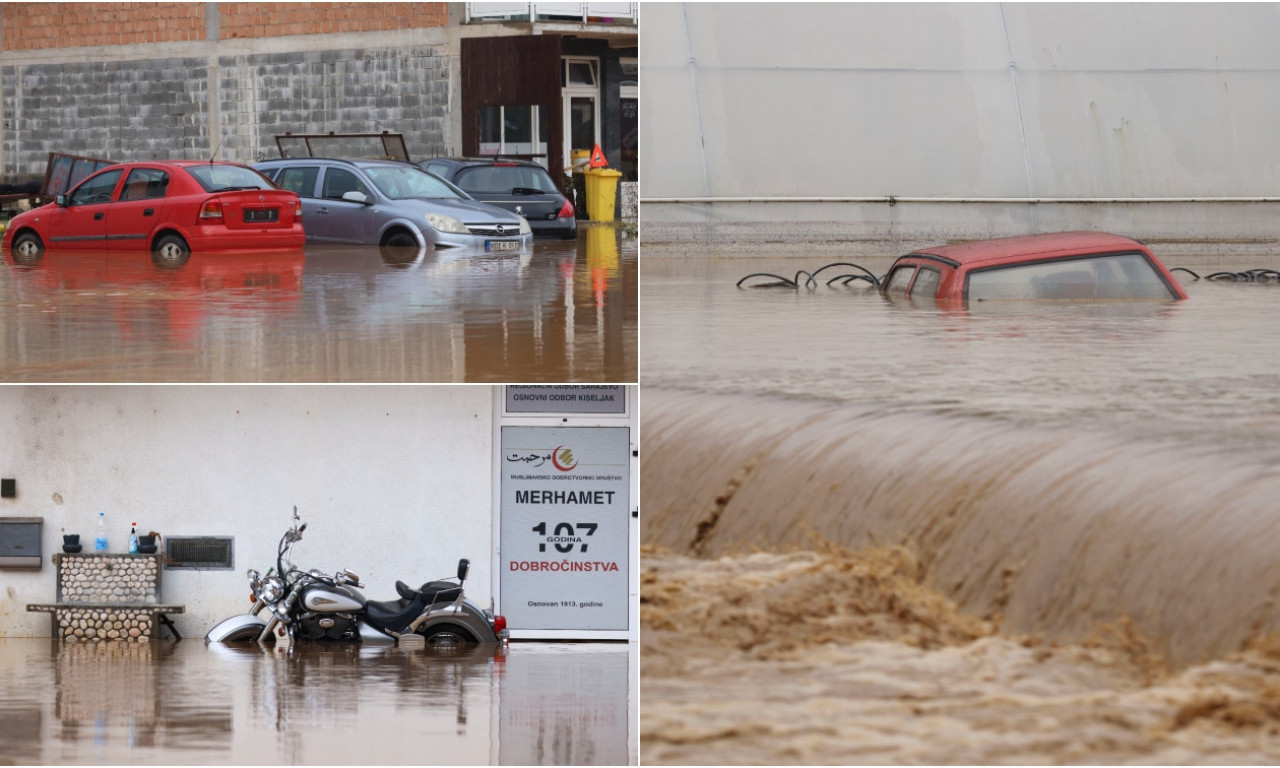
{"points": [[393, 204]]}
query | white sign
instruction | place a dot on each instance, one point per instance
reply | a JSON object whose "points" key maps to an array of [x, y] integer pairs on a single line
{"points": [[567, 398], [565, 520]]}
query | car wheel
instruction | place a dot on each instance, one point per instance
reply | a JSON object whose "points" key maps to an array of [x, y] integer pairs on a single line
{"points": [[171, 251], [447, 636], [27, 248], [400, 239]]}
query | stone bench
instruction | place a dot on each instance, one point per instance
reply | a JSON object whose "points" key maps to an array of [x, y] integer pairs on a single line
{"points": [[108, 597]]}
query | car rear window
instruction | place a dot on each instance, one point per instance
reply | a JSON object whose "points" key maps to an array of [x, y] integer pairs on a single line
{"points": [[504, 179], [1105, 276], [220, 178]]}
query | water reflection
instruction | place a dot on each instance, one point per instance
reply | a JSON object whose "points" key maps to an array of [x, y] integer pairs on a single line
{"points": [[185, 703], [564, 313]]}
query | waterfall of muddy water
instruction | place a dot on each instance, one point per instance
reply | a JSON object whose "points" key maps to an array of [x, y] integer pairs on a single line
{"points": [[1053, 532], [1014, 533]]}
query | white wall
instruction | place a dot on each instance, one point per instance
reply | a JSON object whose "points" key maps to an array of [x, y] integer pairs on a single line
{"points": [[394, 482], [1021, 100]]}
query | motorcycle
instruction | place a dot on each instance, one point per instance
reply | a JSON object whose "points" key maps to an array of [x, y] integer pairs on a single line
{"points": [[291, 604]]}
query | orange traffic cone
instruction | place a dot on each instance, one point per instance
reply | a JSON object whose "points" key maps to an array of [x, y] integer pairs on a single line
{"points": [[597, 158]]}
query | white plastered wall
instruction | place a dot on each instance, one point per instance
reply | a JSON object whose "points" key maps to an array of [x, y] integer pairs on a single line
{"points": [[394, 482]]}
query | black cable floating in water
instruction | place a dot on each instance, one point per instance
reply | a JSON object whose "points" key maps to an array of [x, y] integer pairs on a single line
{"points": [[810, 279], [1259, 275]]}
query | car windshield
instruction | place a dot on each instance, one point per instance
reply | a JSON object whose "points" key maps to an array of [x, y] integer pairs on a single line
{"points": [[1110, 276], [221, 178], [401, 182], [505, 179]]}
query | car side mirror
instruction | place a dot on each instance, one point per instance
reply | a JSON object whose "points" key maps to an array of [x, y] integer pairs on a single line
{"points": [[61, 201], [464, 568], [355, 197]]}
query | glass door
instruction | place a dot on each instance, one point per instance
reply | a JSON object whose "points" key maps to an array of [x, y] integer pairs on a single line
{"points": [[581, 91]]}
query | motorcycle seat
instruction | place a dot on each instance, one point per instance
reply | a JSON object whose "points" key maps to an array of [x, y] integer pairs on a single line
{"points": [[432, 591], [393, 614]]}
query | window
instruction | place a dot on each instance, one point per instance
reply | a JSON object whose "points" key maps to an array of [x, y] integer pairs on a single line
{"points": [[301, 180], [144, 184], [400, 182], [97, 189], [1106, 276], [516, 130], [339, 181], [926, 284], [221, 178], [580, 72], [504, 179], [900, 279]]}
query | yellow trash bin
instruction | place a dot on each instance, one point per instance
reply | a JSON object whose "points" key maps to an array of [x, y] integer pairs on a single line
{"points": [[602, 191]]}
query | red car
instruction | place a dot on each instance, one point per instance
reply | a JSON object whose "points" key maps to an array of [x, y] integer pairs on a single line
{"points": [[171, 208], [1065, 265]]}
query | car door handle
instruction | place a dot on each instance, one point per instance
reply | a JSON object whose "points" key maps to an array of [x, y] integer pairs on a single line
{"points": [[98, 216], [148, 211], [322, 211]]}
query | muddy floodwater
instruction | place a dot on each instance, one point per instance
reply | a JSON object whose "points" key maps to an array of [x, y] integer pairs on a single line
{"points": [[566, 312], [336, 704], [885, 532]]}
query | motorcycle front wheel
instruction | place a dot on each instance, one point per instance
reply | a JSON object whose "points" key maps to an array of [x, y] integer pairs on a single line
{"points": [[447, 636]]}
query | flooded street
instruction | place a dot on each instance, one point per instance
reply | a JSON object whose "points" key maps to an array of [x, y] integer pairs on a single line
{"points": [[1014, 533], [184, 703], [565, 313]]}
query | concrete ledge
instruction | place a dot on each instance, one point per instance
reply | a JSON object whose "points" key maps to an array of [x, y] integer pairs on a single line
{"points": [[862, 229]]}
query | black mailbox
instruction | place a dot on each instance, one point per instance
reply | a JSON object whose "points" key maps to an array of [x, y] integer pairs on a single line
{"points": [[20, 542]]}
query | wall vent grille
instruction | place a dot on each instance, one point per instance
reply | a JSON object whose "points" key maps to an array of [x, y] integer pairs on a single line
{"points": [[199, 553]]}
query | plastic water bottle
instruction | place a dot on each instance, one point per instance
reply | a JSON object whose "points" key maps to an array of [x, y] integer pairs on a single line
{"points": [[100, 544], [133, 538]]}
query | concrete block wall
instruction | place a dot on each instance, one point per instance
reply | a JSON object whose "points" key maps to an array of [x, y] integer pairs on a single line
{"points": [[361, 91], [130, 110]]}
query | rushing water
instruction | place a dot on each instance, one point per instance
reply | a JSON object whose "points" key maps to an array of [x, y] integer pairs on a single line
{"points": [[1050, 473], [565, 313], [182, 703]]}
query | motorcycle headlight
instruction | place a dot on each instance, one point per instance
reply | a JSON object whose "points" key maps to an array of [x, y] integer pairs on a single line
{"points": [[272, 590], [525, 229], [447, 224]]}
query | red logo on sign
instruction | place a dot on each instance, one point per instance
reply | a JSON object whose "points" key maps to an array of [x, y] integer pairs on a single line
{"points": [[563, 459]]}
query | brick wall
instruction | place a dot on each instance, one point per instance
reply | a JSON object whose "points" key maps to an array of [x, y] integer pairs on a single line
{"points": [[37, 26], [273, 19]]}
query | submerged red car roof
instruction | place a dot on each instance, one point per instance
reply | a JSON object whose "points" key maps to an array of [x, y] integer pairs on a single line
{"points": [[1018, 248]]}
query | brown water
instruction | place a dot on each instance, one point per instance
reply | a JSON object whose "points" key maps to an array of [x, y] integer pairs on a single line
{"points": [[1080, 499], [565, 313], [185, 703]]}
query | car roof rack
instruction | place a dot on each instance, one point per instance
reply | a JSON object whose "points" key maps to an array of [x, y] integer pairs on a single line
{"points": [[386, 145]]}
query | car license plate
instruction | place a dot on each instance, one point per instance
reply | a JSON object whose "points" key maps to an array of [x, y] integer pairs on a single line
{"points": [[502, 245], [258, 215]]}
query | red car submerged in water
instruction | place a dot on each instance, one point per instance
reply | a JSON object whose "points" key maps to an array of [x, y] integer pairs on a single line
{"points": [[1064, 265], [170, 208]]}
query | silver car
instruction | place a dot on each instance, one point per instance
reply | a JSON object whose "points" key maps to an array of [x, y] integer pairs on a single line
{"points": [[393, 204]]}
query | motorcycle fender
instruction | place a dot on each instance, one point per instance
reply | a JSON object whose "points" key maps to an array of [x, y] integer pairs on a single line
{"points": [[246, 626], [472, 620]]}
